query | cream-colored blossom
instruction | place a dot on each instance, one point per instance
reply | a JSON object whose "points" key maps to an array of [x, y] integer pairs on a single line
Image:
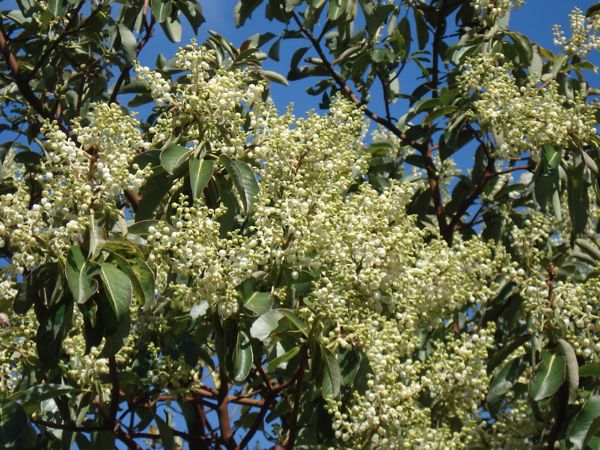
{"points": [[584, 37]]}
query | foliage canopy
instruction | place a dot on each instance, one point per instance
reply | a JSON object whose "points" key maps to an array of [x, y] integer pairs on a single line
{"points": [[223, 275]]}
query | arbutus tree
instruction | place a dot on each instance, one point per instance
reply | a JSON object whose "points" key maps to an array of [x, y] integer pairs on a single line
{"points": [[223, 275]]}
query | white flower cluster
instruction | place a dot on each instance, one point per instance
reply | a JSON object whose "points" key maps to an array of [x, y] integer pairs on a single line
{"points": [[209, 107], [380, 283], [493, 9], [584, 37], [523, 118], [78, 179]]}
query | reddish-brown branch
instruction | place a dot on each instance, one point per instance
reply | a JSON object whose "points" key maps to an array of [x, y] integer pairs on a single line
{"points": [[115, 391], [223, 411], [44, 58], [297, 396], [125, 72], [127, 439], [20, 81]]}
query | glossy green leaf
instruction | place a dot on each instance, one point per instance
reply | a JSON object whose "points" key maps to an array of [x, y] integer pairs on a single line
{"points": [[12, 422], [243, 357], [549, 376], [262, 327], [585, 423], [590, 370], [166, 434], [504, 380], [128, 42], [56, 7], [174, 156], [114, 342], [331, 377], [161, 9], [274, 76], [118, 289], [200, 173], [243, 10], [243, 179], [80, 275], [578, 199], [259, 302], [285, 357], [572, 368], [172, 29], [31, 398]]}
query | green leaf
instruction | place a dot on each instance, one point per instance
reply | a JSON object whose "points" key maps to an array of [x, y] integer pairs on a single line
{"points": [[243, 357], [243, 179], [200, 173], [296, 322], [263, 326], [273, 76], [80, 275], [142, 228], [166, 434], [31, 398], [331, 376], [172, 29], [12, 422], [54, 324], [161, 9], [276, 362], [174, 156], [572, 368], [274, 50], [593, 10], [96, 238], [243, 10], [550, 375], [578, 199], [504, 380], [145, 278], [259, 302], [56, 7], [117, 286], [336, 9], [585, 422], [523, 47], [590, 370], [116, 341], [128, 42], [193, 13], [27, 293], [153, 192]]}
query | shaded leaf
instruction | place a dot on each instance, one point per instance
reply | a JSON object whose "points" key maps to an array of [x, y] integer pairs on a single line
{"points": [[259, 302], [243, 179], [118, 289], [80, 275], [243, 357], [585, 422], [173, 156], [331, 377], [200, 173], [263, 326], [550, 375]]}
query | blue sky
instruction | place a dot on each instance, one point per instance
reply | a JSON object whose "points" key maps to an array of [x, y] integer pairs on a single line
{"points": [[534, 19]]}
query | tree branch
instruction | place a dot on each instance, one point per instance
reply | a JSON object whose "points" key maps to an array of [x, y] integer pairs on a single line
{"points": [[20, 81], [44, 58], [297, 395], [128, 66]]}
